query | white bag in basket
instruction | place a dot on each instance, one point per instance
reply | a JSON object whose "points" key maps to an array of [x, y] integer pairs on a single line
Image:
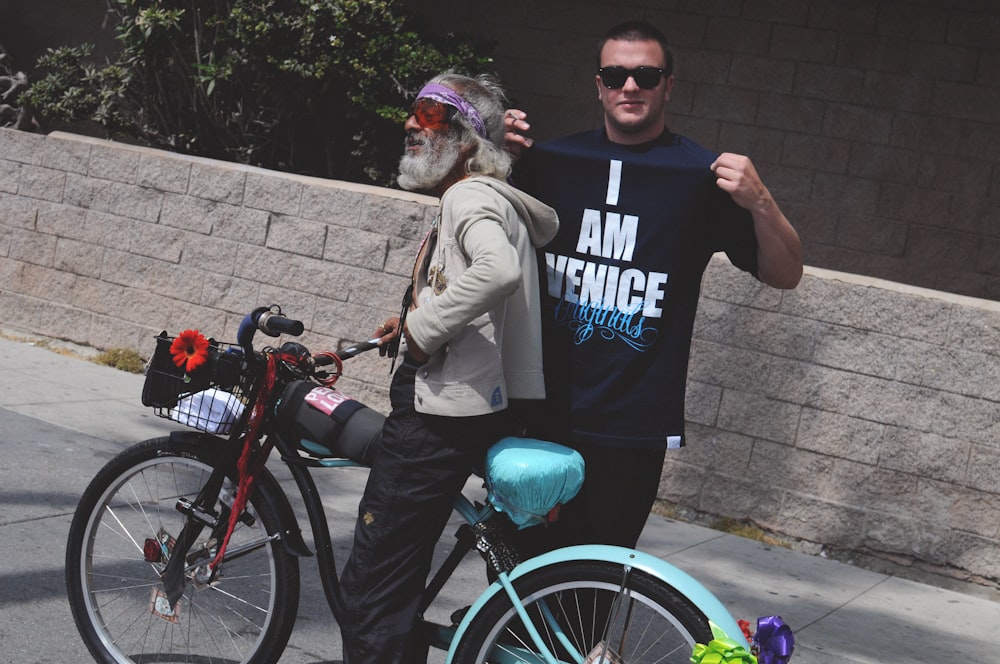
{"points": [[211, 410]]}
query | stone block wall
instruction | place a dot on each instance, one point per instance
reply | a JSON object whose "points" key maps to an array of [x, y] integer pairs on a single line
{"points": [[876, 124], [105, 245], [851, 412]]}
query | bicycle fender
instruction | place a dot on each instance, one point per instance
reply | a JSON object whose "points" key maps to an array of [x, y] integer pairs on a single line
{"points": [[660, 569], [288, 524]]}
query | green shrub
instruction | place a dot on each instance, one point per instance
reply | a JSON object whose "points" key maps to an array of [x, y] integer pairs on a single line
{"points": [[317, 87]]}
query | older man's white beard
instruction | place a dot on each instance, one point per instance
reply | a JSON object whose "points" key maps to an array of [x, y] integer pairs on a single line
{"points": [[427, 169]]}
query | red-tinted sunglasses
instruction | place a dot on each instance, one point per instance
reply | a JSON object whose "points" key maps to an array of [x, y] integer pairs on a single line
{"points": [[432, 114]]}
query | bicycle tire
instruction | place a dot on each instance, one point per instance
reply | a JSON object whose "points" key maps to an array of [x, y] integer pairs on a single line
{"points": [[244, 615], [653, 623]]}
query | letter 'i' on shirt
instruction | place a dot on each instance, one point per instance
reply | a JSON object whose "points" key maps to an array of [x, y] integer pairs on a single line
{"points": [[614, 182]]}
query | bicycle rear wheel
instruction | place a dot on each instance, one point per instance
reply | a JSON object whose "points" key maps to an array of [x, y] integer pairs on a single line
{"points": [[244, 614], [587, 611]]}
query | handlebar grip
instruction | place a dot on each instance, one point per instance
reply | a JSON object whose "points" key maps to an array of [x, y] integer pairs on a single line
{"points": [[357, 349], [273, 324]]}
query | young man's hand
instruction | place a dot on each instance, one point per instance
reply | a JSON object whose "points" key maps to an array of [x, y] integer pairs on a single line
{"points": [[737, 176], [514, 122], [779, 250]]}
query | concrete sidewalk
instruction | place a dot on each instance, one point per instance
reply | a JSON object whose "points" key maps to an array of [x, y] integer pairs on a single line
{"points": [[839, 613]]}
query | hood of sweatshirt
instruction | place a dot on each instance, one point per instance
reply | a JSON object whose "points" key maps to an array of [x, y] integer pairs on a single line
{"points": [[541, 220]]}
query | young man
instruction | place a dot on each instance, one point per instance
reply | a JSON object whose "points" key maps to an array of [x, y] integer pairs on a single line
{"points": [[642, 210], [473, 342]]}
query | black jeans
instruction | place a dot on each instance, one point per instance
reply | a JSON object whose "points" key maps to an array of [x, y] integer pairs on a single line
{"points": [[420, 467]]}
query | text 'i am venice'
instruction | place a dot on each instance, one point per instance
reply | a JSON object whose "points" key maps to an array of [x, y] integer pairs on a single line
{"points": [[595, 296]]}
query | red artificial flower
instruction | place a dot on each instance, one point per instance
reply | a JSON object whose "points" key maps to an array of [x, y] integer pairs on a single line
{"points": [[190, 350]]}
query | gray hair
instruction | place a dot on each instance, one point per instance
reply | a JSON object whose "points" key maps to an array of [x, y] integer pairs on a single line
{"points": [[489, 157]]}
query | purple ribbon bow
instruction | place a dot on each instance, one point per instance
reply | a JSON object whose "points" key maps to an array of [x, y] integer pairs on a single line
{"points": [[774, 640]]}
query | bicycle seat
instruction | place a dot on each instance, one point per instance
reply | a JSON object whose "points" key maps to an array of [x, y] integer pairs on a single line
{"points": [[527, 479]]}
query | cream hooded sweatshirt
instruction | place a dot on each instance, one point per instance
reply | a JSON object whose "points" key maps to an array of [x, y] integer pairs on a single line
{"points": [[476, 300]]}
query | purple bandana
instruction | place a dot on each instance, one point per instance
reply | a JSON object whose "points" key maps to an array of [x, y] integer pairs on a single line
{"points": [[446, 95]]}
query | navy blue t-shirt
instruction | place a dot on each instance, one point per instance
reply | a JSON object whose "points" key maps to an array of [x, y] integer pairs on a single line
{"points": [[620, 282]]}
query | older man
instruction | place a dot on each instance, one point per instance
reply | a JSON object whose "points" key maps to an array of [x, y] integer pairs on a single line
{"points": [[472, 334]]}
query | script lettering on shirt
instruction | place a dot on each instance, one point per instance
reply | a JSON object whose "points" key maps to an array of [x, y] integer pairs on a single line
{"points": [[608, 322]]}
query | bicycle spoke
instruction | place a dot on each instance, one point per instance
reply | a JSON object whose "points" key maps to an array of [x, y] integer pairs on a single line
{"points": [[245, 614]]}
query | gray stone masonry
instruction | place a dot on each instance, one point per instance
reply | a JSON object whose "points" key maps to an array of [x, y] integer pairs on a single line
{"points": [[851, 412], [876, 123]]}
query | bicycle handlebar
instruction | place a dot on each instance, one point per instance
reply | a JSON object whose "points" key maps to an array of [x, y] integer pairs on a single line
{"points": [[268, 320], [357, 349], [273, 324]]}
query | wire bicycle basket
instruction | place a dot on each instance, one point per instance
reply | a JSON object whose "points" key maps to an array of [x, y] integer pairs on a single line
{"points": [[212, 397]]}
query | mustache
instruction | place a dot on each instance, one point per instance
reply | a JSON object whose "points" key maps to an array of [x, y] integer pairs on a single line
{"points": [[414, 138]]}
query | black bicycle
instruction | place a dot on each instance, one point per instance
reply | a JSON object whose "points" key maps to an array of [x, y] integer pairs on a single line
{"points": [[185, 548]]}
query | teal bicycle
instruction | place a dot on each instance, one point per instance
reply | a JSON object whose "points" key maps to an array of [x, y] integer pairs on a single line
{"points": [[185, 548]]}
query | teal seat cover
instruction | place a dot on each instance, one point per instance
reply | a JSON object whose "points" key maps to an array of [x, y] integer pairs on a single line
{"points": [[526, 478]]}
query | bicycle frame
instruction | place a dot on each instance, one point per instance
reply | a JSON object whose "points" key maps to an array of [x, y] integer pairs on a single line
{"points": [[449, 637], [576, 605]]}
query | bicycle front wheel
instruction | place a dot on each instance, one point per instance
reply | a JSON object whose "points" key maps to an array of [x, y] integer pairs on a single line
{"points": [[587, 612], [244, 613]]}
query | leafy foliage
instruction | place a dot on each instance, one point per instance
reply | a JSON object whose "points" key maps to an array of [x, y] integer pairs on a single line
{"points": [[72, 90], [318, 87]]}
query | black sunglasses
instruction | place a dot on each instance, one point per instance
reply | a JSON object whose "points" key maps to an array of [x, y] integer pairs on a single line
{"points": [[615, 77]]}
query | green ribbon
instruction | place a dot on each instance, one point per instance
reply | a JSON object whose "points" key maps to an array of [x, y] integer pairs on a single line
{"points": [[721, 650]]}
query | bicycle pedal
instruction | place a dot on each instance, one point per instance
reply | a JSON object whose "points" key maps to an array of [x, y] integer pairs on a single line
{"points": [[188, 508]]}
